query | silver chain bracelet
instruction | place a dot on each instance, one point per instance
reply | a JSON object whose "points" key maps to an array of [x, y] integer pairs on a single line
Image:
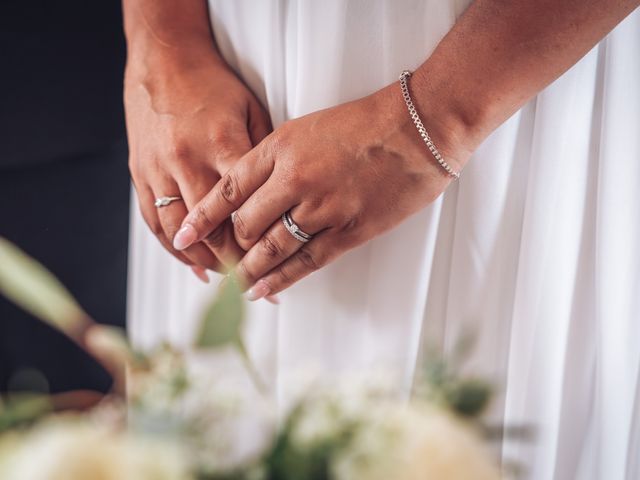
{"points": [[423, 131]]}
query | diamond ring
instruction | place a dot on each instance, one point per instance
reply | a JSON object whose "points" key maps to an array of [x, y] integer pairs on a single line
{"points": [[164, 201], [294, 229]]}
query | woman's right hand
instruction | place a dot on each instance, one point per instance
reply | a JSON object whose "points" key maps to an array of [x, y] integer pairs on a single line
{"points": [[188, 122]]}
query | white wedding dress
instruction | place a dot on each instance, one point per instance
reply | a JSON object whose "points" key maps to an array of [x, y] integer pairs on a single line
{"points": [[537, 246]]}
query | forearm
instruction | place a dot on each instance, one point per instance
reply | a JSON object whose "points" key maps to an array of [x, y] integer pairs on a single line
{"points": [[168, 31], [500, 53]]}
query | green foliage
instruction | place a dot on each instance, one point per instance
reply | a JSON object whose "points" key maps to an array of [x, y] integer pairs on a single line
{"points": [[468, 397], [222, 321], [288, 460], [31, 286], [19, 411], [443, 383], [165, 383], [222, 325]]}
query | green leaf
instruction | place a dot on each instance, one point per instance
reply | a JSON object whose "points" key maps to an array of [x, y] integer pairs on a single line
{"points": [[223, 318], [23, 410], [468, 397], [222, 326], [32, 287]]}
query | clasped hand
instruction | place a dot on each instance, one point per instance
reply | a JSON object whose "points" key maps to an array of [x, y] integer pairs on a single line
{"points": [[345, 174]]}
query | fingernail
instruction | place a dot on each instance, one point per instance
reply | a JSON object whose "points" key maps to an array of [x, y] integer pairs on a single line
{"points": [[273, 299], [260, 290], [185, 237], [201, 273]]}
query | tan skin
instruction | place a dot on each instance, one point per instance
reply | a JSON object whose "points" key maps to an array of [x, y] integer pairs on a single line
{"points": [[189, 119], [351, 172]]}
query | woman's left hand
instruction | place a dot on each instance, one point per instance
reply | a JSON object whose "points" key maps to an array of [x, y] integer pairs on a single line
{"points": [[346, 174]]}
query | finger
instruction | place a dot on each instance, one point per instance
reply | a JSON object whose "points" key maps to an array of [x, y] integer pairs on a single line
{"points": [[207, 217], [276, 246], [260, 211], [228, 144], [146, 202], [274, 299], [171, 217], [200, 272], [259, 124], [307, 259], [223, 245]]}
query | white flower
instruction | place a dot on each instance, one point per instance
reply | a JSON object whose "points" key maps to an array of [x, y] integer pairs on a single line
{"points": [[326, 411], [74, 450], [414, 442], [222, 423]]}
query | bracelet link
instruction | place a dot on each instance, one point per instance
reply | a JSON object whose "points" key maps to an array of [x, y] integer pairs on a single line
{"points": [[404, 88]]}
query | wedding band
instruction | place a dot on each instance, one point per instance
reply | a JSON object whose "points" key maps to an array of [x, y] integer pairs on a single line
{"points": [[164, 201], [294, 229]]}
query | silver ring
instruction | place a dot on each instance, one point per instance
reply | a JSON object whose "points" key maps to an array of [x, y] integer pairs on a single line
{"points": [[294, 229], [164, 201]]}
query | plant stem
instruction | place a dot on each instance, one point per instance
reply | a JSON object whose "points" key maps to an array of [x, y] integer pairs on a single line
{"points": [[251, 369]]}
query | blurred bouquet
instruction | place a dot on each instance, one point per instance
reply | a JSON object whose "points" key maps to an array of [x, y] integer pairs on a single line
{"points": [[173, 421]]}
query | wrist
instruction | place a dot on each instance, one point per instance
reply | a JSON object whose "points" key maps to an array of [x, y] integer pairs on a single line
{"points": [[455, 132], [449, 132], [165, 40], [462, 114], [146, 56]]}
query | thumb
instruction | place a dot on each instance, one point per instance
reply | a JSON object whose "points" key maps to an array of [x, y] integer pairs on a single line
{"points": [[259, 123], [228, 145]]}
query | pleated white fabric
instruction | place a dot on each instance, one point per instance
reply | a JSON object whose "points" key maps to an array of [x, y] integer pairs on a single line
{"points": [[536, 247]]}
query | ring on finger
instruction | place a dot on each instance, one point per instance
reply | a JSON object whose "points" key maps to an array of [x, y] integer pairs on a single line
{"points": [[164, 201], [295, 231]]}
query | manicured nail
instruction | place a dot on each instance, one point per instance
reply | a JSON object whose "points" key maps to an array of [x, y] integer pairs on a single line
{"points": [[185, 237], [201, 273], [273, 299], [260, 290]]}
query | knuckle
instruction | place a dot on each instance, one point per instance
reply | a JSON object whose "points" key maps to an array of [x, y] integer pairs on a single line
{"points": [[229, 188], [293, 178], [223, 140], [215, 239], [271, 247], [182, 151], [221, 137], [245, 274], [314, 203], [350, 224], [278, 141], [284, 276], [200, 215], [310, 260]]}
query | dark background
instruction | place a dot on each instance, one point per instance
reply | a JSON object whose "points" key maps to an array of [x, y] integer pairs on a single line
{"points": [[64, 184]]}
